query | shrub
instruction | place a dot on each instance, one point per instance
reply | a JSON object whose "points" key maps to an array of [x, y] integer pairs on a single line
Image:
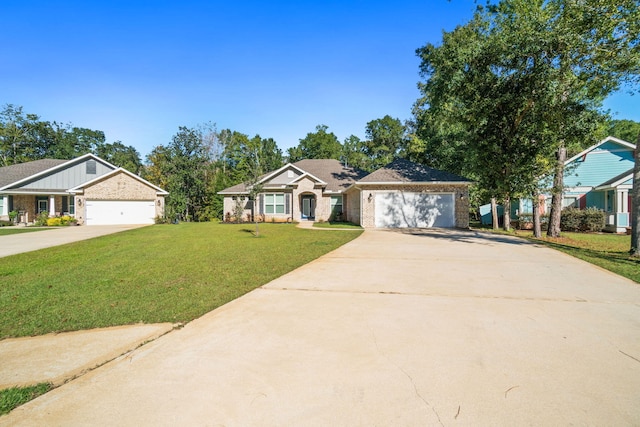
{"points": [[525, 221], [41, 219], [594, 219], [571, 219], [54, 222], [590, 219]]}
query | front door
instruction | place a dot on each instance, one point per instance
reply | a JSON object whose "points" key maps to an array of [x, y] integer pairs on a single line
{"points": [[42, 204], [308, 207]]}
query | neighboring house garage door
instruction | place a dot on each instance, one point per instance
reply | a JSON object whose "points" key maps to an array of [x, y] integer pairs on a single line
{"points": [[399, 209], [107, 212]]}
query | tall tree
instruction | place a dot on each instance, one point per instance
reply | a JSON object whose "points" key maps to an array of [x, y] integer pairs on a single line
{"points": [[353, 153], [16, 130], [121, 155], [525, 79], [187, 162], [317, 145], [385, 138], [627, 130]]}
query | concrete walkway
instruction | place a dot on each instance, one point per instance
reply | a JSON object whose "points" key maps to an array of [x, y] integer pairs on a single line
{"points": [[55, 236], [392, 329]]}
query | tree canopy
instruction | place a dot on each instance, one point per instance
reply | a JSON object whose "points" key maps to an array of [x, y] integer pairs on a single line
{"points": [[523, 79]]}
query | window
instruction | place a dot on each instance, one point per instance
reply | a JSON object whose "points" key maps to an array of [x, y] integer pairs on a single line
{"points": [[274, 203], [72, 205], [336, 205], [91, 167]]}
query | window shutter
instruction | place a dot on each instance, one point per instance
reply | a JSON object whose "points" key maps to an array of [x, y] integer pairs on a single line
{"points": [[287, 203], [261, 203]]}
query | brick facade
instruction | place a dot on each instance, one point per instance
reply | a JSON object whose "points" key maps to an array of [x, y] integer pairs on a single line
{"points": [[120, 186]]}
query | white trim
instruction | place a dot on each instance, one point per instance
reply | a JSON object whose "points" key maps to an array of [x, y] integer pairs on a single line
{"points": [[277, 171], [618, 183], [305, 175], [79, 188], [593, 147]]}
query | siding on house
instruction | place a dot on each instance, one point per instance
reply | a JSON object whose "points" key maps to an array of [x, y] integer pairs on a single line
{"points": [[607, 160], [67, 178]]}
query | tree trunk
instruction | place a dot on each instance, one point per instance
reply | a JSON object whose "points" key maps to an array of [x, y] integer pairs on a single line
{"points": [[537, 228], [255, 216], [556, 199], [494, 213], [507, 214], [635, 204]]}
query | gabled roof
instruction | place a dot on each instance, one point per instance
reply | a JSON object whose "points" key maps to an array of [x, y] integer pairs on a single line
{"points": [[337, 176], [15, 173], [624, 144], [401, 171], [329, 173], [616, 180], [31, 170], [80, 187]]}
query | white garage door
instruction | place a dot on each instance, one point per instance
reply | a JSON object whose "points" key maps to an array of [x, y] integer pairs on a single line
{"points": [[107, 212], [397, 209]]}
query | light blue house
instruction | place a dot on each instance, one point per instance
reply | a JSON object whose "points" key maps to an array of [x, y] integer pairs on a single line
{"points": [[598, 177]]}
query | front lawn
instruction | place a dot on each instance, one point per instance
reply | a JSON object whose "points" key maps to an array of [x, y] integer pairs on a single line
{"points": [[606, 250], [337, 224], [161, 273], [5, 231]]}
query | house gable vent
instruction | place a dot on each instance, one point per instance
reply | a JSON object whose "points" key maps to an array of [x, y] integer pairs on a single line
{"points": [[91, 167]]}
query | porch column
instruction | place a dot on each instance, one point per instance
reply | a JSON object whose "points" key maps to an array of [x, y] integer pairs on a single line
{"points": [[52, 206]]}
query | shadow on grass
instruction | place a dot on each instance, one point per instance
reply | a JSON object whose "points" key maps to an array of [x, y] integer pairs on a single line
{"points": [[621, 258]]}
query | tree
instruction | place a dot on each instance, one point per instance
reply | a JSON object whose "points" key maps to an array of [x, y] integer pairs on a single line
{"points": [[385, 138], [15, 135], [627, 130], [186, 165], [317, 145], [120, 155], [353, 153], [522, 80]]}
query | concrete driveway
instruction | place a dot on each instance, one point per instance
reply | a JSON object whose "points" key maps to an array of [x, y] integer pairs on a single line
{"points": [[55, 236], [392, 329]]}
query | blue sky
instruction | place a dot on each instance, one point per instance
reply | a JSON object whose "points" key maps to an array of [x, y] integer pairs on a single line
{"points": [[138, 70]]}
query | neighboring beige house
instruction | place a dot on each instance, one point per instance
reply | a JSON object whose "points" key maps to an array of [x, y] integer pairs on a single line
{"points": [[88, 188], [401, 194]]}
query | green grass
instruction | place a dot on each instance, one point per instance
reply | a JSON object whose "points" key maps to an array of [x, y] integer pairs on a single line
{"points": [[608, 251], [337, 224], [5, 231], [161, 273], [11, 398]]}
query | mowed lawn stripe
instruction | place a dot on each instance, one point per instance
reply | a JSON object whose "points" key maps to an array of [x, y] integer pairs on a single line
{"points": [[161, 273]]}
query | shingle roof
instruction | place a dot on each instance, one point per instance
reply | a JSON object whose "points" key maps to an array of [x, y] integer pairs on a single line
{"points": [[401, 171], [13, 173], [337, 176]]}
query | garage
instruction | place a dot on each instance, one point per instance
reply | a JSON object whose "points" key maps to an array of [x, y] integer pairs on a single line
{"points": [[402, 209], [110, 212]]}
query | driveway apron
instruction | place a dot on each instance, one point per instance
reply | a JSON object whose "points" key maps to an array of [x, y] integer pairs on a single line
{"points": [[396, 328]]}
